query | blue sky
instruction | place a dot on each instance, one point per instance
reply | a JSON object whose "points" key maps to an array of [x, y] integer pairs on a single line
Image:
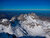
{"points": [[24, 4]]}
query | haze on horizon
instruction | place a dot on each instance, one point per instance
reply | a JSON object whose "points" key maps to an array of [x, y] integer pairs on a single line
{"points": [[24, 9]]}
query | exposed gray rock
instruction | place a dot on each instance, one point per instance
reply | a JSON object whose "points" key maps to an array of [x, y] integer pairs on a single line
{"points": [[33, 14], [13, 18], [5, 22], [21, 17]]}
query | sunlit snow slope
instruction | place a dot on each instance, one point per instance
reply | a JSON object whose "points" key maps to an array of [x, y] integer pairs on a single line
{"points": [[29, 25]]}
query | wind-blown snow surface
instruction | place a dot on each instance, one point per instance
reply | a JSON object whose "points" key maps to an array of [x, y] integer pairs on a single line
{"points": [[32, 26]]}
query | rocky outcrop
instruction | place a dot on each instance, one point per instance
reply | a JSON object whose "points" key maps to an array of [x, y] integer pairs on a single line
{"points": [[21, 17], [13, 18], [34, 25], [5, 22], [30, 24]]}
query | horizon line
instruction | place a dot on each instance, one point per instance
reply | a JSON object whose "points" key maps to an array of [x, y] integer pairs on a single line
{"points": [[24, 9]]}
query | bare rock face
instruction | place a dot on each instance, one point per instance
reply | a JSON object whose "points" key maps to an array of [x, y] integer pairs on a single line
{"points": [[33, 15], [5, 22], [5, 26], [25, 15], [34, 25], [21, 17], [13, 18]]}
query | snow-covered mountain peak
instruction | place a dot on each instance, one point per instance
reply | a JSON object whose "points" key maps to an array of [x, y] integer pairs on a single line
{"points": [[35, 26], [29, 25]]}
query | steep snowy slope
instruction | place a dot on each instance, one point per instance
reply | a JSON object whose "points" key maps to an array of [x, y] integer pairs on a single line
{"points": [[34, 26], [5, 26], [29, 25]]}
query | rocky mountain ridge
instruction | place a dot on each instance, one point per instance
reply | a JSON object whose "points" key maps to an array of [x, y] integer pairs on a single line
{"points": [[30, 25]]}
